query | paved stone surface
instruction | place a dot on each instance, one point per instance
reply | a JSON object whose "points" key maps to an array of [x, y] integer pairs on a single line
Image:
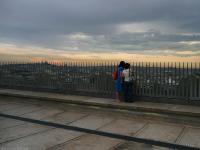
{"points": [[42, 141], [18, 134], [155, 107], [20, 131], [88, 142], [7, 123], [161, 132], [22, 110], [66, 117], [10, 107], [123, 126], [45, 112], [191, 137], [92, 121], [137, 146]]}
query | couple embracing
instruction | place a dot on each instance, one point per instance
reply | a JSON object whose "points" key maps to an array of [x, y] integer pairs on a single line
{"points": [[123, 78]]}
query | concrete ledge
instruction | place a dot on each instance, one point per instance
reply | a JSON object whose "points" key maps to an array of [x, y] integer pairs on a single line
{"points": [[160, 108]]}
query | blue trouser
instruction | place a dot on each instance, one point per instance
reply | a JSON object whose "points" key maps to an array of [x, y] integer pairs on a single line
{"points": [[128, 91]]}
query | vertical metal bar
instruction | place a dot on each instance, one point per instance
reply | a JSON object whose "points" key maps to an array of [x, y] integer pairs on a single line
{"points": [[102, 82], [140, 78], [52, 74], [179, 80], [160, 80], [94, 77], [131, 75], [199, 81], [112, 82], [48, 73], [163, 81], [187, 78], [135, 77], [98, 77], [81, 76], [53, 69], [1, 72], [71, 82], [168, 79], [105, 78], [149, 77], [69, 74], [146, 80], [64, 76], [74, 76], [85, 69], [183, 78], [172, 80], [192, 82], [155, 79], [175, 80], [61, 76], [181, 83], [110, 78], [55, 74], [7, 70], [108, 75], [32, 72], [86, 75], [88, 70], [90, 74], [5, 82], [194, 79]]}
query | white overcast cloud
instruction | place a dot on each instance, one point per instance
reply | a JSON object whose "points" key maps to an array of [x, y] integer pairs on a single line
{"points": [[131, 26]]}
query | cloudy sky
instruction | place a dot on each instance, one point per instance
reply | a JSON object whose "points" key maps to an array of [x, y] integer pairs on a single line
{"points": [[101, 28]]}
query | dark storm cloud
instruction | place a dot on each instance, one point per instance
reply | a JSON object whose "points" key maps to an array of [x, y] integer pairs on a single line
{"points": [[48, 23]]}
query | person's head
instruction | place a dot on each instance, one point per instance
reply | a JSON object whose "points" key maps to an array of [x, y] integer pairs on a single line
{"points": [[127, 66], [122, 64]]}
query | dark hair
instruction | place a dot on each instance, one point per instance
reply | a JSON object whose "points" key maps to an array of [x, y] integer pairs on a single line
{"points": [[122, 64], [127, 66]]}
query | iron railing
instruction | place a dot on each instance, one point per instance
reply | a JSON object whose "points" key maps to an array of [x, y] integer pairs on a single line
{"points": [[164, 80]]}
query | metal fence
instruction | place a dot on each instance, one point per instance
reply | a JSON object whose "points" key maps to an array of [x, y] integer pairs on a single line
{"points": [[163, 80]]}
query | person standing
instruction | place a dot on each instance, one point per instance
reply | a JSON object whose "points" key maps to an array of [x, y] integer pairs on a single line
{"points": [[128, 85], [119, 82]]}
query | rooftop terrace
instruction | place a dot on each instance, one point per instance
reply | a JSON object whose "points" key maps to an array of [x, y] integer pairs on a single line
{"points": [[71, 106], [168, 123]]}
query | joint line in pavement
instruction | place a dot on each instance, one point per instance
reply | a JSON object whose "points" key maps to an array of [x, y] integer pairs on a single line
{"points": [[102, 133]]}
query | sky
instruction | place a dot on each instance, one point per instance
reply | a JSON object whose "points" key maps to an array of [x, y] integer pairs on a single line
{"points": [[142, 30]]}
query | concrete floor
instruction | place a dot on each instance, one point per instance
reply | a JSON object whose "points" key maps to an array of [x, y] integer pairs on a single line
{"points": [[27, 136]]}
